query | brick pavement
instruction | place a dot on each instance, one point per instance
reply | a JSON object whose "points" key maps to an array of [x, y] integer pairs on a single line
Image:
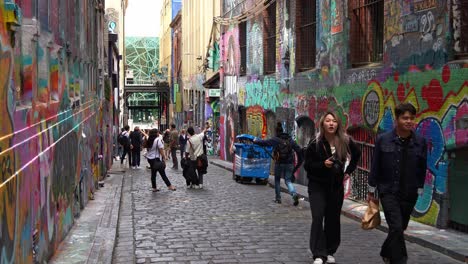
{"points": [[227, 222]]}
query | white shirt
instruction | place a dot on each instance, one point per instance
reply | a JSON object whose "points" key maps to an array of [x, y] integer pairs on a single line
{"points": [[195, 149], [153, 152]]}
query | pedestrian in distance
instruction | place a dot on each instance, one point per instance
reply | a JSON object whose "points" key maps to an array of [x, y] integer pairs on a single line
{"points": [[398, 173], [167, 141], [124, 140], [195, 153], [156, 158], [283, 154], [325, 160], [174, 146], [182, 142], [136, 139]]}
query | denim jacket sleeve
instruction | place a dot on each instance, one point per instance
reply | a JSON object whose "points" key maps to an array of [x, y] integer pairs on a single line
{"points": [[422, 164], [375, 167], [267, 142]]}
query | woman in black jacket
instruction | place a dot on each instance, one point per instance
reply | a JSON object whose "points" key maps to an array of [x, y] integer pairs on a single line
{"points": [[325, 162]]}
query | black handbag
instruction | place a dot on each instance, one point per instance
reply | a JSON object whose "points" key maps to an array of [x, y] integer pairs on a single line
{"points": [[158, 164]]}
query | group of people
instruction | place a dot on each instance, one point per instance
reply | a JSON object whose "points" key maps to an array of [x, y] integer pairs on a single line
{"points": [[396, 178], [161, 147]]}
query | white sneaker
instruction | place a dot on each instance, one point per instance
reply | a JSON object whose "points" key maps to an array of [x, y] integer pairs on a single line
{"points": [[331, 259], [200, 186], [196, 187], [318, 261]]}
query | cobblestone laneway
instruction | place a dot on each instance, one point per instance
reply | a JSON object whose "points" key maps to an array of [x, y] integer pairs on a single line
{"points": [[227, 222]]}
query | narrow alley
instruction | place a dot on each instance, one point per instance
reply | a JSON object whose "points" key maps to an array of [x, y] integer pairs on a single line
{"points": [[228, 222]]}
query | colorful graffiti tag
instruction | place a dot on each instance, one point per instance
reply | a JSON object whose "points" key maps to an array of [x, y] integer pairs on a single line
{"points": [[49, 108]]}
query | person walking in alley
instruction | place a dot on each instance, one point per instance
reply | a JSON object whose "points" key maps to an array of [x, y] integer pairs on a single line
{"points": [[124, 140], [174, 145], [156, 158], [398, 172], [182, 143], [283, 148], [195, 152], [136, 139], [325, 160], [167, 141]]}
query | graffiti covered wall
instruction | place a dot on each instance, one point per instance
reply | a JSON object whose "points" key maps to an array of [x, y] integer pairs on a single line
{"points": [[417, 67], [53, 137]]}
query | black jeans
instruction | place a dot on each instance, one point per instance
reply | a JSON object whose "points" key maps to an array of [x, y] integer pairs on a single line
{"points": [[194, 173], [397, 209], [136, 157], [158, 166], [325, 205], [174, 158], [125, 151]]}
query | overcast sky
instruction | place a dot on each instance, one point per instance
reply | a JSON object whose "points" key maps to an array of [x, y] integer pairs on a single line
{"points": [[142, 18]]}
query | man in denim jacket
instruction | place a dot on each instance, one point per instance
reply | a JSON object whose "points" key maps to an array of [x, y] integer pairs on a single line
{"points": [[398, 172]]}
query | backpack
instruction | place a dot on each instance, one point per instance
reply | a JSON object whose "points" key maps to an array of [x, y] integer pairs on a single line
{"points": [[122, 139], [283, 151]]}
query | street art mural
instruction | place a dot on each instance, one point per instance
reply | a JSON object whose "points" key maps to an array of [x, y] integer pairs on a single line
{"points": [[53, 134], [416, 68]]}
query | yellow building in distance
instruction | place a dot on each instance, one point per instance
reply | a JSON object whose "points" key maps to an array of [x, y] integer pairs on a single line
{"points": [[197, 24]]}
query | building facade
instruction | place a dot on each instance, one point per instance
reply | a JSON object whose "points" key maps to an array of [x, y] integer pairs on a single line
{"points": [[169, 11], [291, 61], [197, 25], [178, 113], [56, 119], [115, 22]]}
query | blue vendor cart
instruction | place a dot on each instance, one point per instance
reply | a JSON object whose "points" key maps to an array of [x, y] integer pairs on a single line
{"points": [[251, 161]]}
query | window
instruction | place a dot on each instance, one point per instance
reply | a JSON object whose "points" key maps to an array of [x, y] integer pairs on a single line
{"points": [[269, 37], [460, 25], [243, 47], [305, 33], [366, 37]]}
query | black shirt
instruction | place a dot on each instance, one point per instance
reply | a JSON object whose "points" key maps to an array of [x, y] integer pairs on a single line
{"points": [[403, 164]]}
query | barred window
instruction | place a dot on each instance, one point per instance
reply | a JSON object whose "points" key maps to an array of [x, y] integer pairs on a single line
{"points": [[269, 36], [366, 36], [305, 33], [243, 47], [460, 25]]}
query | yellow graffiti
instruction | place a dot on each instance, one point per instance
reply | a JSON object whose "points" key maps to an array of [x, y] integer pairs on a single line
{"points": [[451, 99], [392, 19], [256, 124]]}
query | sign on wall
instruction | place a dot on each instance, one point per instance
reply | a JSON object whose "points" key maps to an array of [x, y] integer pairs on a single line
{"points": [[214, 92]]}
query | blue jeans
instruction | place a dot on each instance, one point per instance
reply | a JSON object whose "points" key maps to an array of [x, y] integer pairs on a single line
{"points": [[285, 171]]}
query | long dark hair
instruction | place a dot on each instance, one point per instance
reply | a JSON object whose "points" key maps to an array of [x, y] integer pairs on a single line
{"points": [[153, 134], [341, 138]]}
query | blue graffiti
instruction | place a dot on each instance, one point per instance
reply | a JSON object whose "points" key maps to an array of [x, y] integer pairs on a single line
{"points": [[437, 166]]}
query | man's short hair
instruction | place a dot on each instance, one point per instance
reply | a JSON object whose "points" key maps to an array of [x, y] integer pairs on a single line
{"points": [[127, 127], [403, 108], [172, 125], [191, 131]]}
